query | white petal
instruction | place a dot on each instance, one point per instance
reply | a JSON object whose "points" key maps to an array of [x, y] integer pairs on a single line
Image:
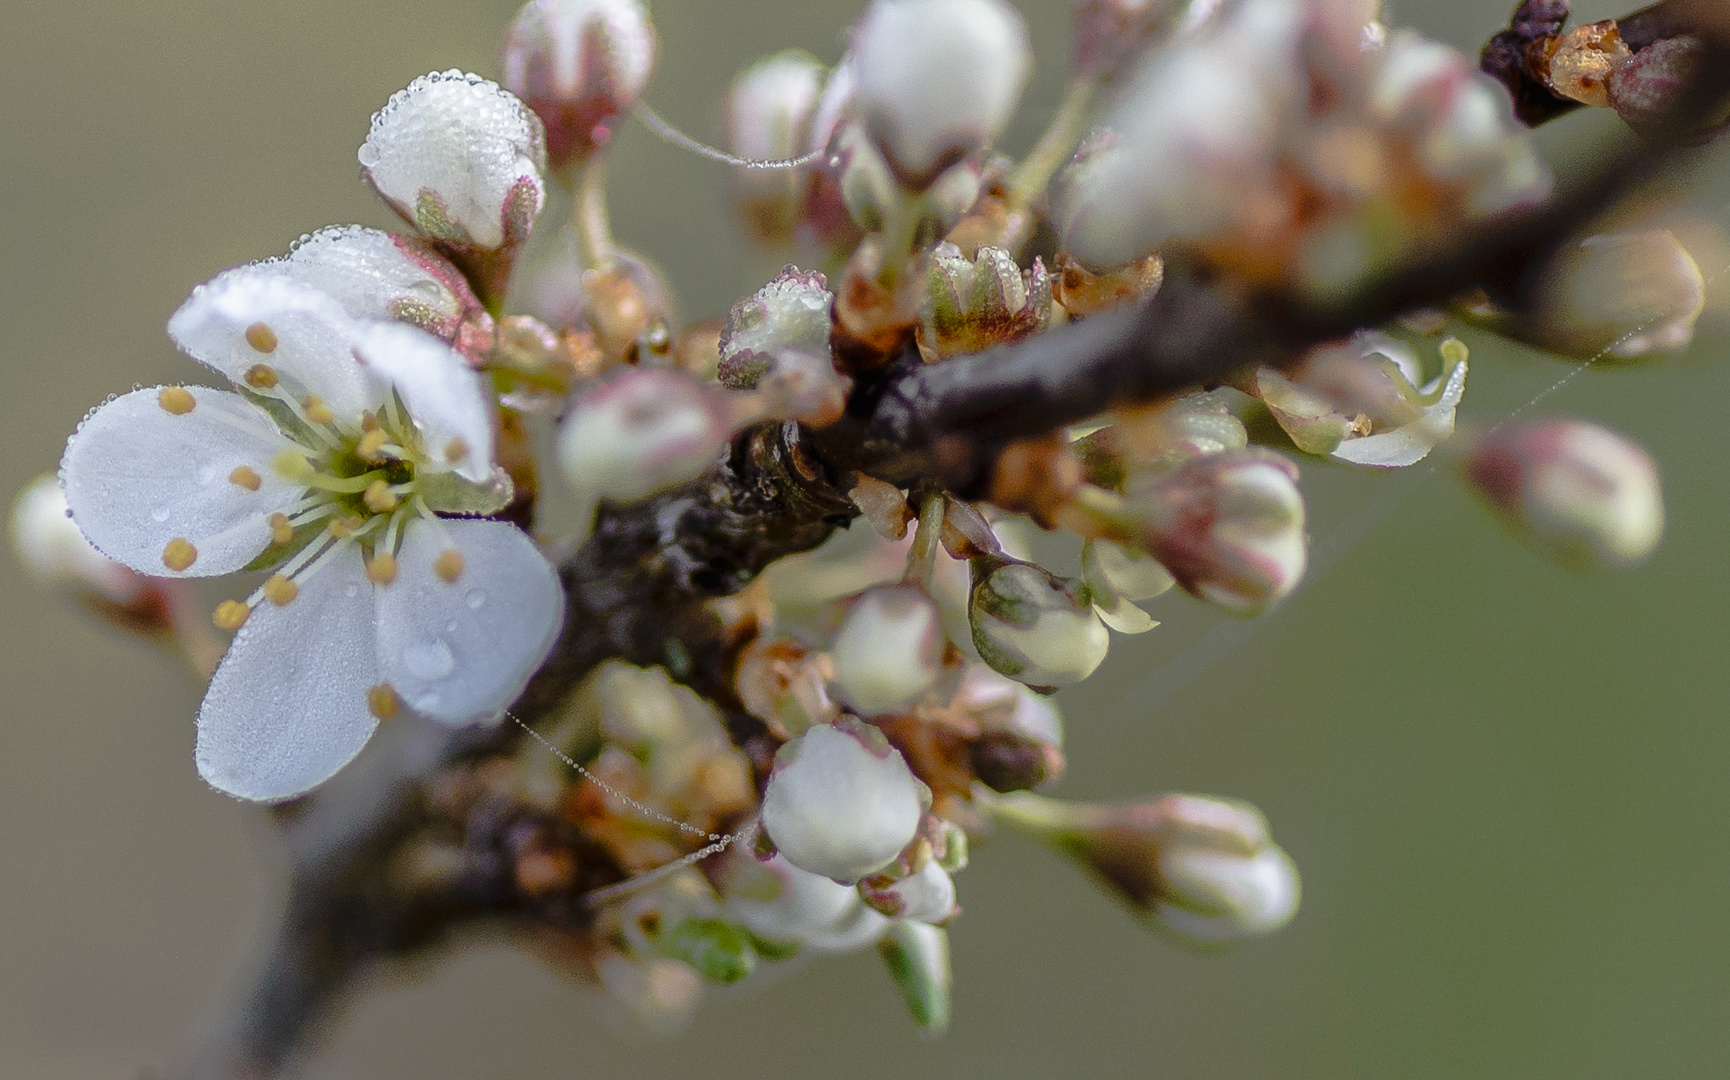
{"points": [[138, 477], [377, 275], [1410, 443], [460, 652], [313, 337], [444, 396], [288, 706]]}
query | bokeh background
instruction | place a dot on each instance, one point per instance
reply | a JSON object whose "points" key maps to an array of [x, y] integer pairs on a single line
{"points": [[1505, 785]]}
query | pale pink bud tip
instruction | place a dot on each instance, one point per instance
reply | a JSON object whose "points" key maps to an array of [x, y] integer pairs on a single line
{"points": [[578, 64], [1582, 496], [644, 429]]}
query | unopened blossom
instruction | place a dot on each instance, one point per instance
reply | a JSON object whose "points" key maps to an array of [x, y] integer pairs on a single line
{"points": [[1651, 91], [937, 80], [642, 430], [768, 112], [1229, 527], [1622, 294], [779, 902], [55, 552], [841, 801], [462, 161], [1034, 626], [927, 895], [888, 650], [578, 64], [1118, 577], [791, 312], [1366, 402], [1581, 495], [972, 304], [328, 461], [1161, 438]]}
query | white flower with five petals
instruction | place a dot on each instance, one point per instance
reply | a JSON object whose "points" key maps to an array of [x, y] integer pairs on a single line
{"points": [[328, 461]]}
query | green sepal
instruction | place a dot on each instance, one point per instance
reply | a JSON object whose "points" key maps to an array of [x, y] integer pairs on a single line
{"points": [[917, 956], [450, 493], [716, 950]]}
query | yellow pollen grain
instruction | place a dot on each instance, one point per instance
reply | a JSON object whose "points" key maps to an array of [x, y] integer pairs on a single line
{"points": [[369, 421], [382, 701], [449, 566], [291, 465], [176, 400], [260, 377], [370, 444], [280, 591], [317, 411], [456, 450], [378, 497], [261, 337], [231, 615], [343, 528], [247, 477], [179, 554], [281, 532], [381, 570]]}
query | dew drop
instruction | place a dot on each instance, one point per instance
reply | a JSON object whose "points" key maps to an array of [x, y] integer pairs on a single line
{"points": [[477, 599], [159, 515], [352, 591], [429, 660]]}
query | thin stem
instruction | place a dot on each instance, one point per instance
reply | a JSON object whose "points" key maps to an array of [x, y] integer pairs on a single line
{"points": [[589, 216], [1030, 179]]}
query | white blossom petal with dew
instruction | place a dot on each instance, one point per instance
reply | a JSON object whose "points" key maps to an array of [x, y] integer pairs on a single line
{"points": [[444, 397]]}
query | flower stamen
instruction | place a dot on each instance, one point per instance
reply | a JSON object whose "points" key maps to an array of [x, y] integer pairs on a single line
{"points": [[231, 615], [176, 400], [261, 337], [382, 701], [179, 554], [247, 477]]}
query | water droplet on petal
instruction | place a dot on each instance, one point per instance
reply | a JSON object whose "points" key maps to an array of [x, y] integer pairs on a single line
{"points": [[429, 660], [477, 599], [352, 591], [160, 514]]}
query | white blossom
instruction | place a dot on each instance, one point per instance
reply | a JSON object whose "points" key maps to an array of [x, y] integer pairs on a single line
{"points": [[778, 901], [342, 438], [888, 650], [1036, 627], [927, 895], [841, 801]]}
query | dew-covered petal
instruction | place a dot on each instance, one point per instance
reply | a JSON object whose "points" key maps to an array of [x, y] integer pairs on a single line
{"points": [[1411, 442], [257, 317], [443, 395], [289, 705], [460, 646], [143, 472], [378, 275]]}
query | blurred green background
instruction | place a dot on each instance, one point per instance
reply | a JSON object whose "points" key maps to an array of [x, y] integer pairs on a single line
{"points": [[1505, 785]]}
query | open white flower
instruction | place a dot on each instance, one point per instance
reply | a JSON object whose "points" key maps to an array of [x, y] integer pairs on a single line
{"points": [[343, 438]]}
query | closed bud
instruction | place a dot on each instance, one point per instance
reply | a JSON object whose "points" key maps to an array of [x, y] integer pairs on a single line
{"points": [[54, 550], [781, 903], [1034, 626], [937, 80], [888, 651], [1109, 33], [1020, 732], [972, 304], [642, 430], [863, 180], [1625, 294], [1584, 497], [927, 895], [578, 64], [1203, 867], [841, 802], [1652, 91], [792, 312], [769, 111], [461, 160], [1160, 439]]}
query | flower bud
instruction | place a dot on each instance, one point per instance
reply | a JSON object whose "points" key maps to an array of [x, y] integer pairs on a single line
{"points": [[917, 955], [841, 801], [641, 430], [972, 304], [888, 650], [783, 684], [1033, 626], [1203, 867], [1229, 527], [1109, 33], [792, 312], [927, 895], [1117, 578], [578, 64], [1020, 732], [1625, 294], [769, 111], [1652, 91], [1159, 439], [54, 551], [779, 902], [937, 80], [460, 160], [1582, 496]]}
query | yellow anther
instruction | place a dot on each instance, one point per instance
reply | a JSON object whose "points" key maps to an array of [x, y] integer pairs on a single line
{"points": [[179, 554], [231, 615], [281, 532], [260, 377], [261, 337], [370, 444], [369, 421], [176, 400], [382, 701], [247, 477], [381, 570], [378, 497], [280, 591], [343, 528], [292, 465], [449, 566], [456, 450], [317, 411]]}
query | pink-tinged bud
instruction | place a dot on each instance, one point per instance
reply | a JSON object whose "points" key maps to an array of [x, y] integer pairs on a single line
{"points": [[888, 650], [790, 313], [1109, 33], [972, 304], [1034, 626], [1582, 496], [1651, 91], [642, 430], [937, 80], [54, 551], [841, 802], [578, 64], [1203, 867], [1625, 294], [769, 111], [1229, 527], [927, 895]]}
